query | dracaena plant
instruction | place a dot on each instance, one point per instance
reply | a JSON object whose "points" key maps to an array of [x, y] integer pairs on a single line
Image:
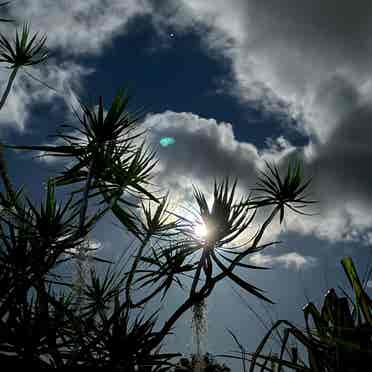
{"points": [[26, 51], [107, 160], [213, 257]]}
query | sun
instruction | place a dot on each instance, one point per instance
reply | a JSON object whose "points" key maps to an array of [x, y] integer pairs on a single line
{"points": [[200, 230]]}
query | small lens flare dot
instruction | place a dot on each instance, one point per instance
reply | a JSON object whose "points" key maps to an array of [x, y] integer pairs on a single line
{"points": [[167, 141]]}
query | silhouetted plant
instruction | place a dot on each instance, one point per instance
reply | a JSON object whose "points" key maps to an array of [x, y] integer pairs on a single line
{"points": [[100, 326], [340, 340]]}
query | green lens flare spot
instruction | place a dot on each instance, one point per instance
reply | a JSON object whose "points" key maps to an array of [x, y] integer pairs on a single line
{"points": [[167, 141]]}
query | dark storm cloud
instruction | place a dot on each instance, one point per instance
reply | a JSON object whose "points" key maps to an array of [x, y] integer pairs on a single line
{"points": [[343, 163], [338, 29]]}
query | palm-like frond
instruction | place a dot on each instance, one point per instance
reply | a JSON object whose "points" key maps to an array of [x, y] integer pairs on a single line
{"points": [[159, 224], [23, 334], [165, 267], [114, 340], [107, 159], [154, 226], [112, 127], [34, 241], [26, 50], [287, 192], [100, 293], [226, 220]]}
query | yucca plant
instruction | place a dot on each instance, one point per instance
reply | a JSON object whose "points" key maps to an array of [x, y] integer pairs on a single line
{"points": [[107, 338], [34, 241]]}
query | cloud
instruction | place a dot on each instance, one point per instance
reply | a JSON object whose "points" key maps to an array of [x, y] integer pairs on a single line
{"points": [[311, 61], [26, 91], [287, 260], [79, 27], [283, 53], [205, 150], [73, 29]]}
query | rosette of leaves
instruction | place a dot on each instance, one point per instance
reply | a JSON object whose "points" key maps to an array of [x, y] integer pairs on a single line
{"points": [[33, 242], [159, 227], [228, 218], [26, 51], [214, 255], [164, 268], [108, 161], [114, 340], [284, 193]]}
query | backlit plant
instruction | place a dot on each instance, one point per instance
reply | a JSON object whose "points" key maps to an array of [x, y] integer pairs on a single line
{"points": [[102, 326]]}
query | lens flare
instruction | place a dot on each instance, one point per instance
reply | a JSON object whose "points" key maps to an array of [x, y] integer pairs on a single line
{"points": [[167, 141]]}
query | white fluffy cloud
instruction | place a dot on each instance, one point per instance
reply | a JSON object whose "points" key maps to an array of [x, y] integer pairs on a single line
{"points": [[287, 260], [205, 150], [79, 27]]}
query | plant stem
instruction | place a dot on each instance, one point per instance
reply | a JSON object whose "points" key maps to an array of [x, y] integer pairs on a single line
{"points": [[173, 319], [198, 271], [81, 251], [8, 87], [5, 177], [3, 168], [188, 304], [134, 267], [147, 298]]}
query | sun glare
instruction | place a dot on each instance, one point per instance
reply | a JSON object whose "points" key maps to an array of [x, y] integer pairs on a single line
{"points": [[200, 230]]}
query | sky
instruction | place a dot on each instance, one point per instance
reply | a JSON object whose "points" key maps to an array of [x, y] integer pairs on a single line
{"points": [[235, 84]]}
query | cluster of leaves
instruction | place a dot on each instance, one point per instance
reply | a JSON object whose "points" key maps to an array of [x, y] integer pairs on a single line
{"points": [[97, 324], [339, 341]]}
